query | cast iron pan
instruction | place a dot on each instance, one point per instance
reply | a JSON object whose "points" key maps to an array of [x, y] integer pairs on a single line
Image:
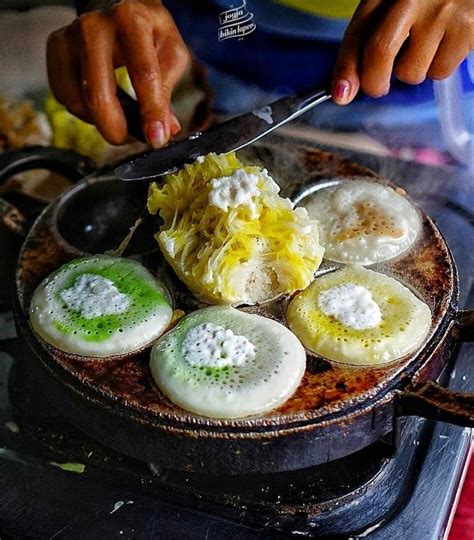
{"points": [[337, 409]]}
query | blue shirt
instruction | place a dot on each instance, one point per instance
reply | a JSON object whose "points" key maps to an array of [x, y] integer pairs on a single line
{"points": [[289, 51]]}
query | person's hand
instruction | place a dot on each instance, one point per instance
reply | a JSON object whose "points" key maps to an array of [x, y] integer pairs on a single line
{"points": [[414, 39], [138, 34]]}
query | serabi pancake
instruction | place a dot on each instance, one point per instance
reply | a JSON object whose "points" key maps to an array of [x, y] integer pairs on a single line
{"points": [[362, 222], [358, 316], [223, 363], [100, 306], [228, 234]]}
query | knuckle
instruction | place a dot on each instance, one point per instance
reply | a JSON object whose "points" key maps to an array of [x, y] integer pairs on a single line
{"points": [[147, 74], [343, 67], [467, 20], [182, 55], [73, 31], [406, 4], [126, 7], [351, 40], [92, 32], [378, 45], [97, 100], [446, 10], [125, 12], [89, 22], [53, 38], [56, 39], [167, 90], [122, 9]]}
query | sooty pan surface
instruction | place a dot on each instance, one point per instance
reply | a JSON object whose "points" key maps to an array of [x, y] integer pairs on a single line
{"points": [[327, 387]]}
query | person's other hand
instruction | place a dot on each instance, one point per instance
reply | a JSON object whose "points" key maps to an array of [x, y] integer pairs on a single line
{"points": [[414, 39], [138, 34]]}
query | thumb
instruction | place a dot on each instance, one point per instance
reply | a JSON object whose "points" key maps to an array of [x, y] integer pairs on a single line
{"points": [[345, 79]]}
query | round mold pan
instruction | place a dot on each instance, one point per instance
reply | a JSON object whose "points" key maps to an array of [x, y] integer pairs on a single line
{"points": [[337, 408]]}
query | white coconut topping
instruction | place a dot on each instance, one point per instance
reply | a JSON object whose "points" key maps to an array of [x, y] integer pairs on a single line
{"points": [[170, 246], [211, 345], [235, 190], [94, 296], [352, 305]]}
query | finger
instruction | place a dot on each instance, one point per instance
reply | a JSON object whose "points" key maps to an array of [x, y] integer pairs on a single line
{"points": [[415, 60], [174, 59], [451, 52], [346, 81], [63, 65], [98, 78], [138, 50], [383, 46]]}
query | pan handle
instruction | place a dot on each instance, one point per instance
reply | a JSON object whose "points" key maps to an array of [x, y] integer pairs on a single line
{"points": [[66, 162], [434, 402]]}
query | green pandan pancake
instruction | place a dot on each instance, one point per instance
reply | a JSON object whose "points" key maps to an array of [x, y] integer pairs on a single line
{"points": [[100, 306], [220, 362]]}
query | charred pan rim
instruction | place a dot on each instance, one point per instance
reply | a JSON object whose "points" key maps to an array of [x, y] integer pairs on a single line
{"points": [[371, 402], [247, 428], [67, 196]]}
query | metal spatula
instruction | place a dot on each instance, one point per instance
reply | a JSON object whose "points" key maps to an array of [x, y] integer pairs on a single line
{"points": [[226, 137]]}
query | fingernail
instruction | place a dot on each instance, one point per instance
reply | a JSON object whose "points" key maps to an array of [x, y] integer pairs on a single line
{"points": [[175, 124], [342, 89], [156, 134]]}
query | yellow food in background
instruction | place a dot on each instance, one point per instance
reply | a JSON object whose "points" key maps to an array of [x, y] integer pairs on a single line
{"points": [[21, 125], [237, 256], [71, 133]]}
